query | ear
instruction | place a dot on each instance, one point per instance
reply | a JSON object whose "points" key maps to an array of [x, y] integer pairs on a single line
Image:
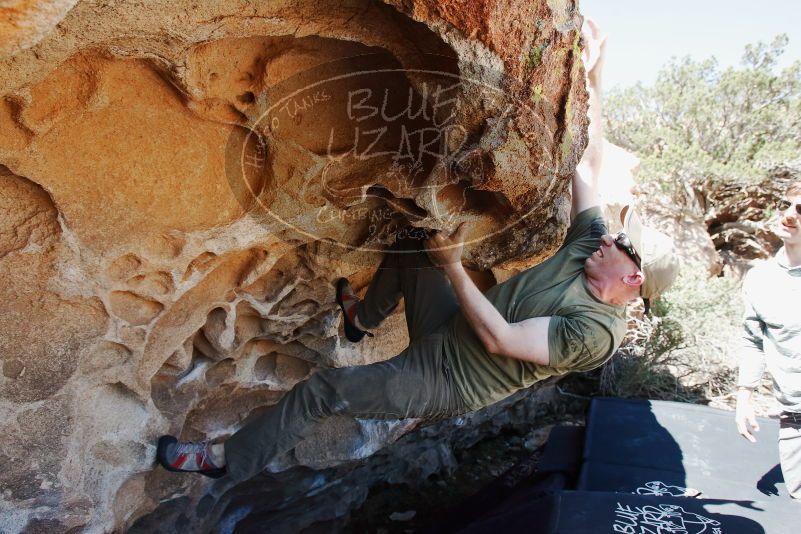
{"points": [[623, 213], [635, 279]]}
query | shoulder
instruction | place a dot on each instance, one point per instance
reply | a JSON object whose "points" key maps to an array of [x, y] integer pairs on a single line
{"points": [[580, 340], [589, 223], [763, 271]]}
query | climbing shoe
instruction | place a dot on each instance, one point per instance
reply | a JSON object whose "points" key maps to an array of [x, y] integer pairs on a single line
{"points": [[348, 301], [187, 457]]}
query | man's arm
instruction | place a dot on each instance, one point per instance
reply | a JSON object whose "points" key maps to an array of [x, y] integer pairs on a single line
{"points": [[751, 367], [744, 415], [526, 340], [585, 179]]}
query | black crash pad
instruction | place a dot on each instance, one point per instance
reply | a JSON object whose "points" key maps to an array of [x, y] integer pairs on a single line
{"points": [[675, 449], [594, 512], [648, 467]]}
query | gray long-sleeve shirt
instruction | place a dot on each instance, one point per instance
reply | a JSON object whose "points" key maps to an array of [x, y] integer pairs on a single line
{"points": [[772, 324]]}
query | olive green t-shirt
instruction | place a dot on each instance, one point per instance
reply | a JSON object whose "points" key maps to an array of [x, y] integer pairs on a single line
{"points": [[583, 331]]}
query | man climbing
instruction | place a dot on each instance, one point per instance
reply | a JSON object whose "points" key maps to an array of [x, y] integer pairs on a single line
{"points": [[772, 339], [467, 349]]}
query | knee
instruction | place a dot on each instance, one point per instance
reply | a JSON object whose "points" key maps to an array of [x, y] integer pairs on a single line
{"points": [[321, 394]]}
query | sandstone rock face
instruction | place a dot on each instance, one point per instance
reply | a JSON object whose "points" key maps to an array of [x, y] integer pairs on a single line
{"points": [[180, 184], [740, 219], [724, 225], [23, 23]]}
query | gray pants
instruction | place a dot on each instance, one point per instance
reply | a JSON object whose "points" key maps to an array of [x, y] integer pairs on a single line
{"points": [[790, 452], [415, 383]]}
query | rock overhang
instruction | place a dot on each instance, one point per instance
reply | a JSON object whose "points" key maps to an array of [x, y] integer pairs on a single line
{"points": [[186, 242]]}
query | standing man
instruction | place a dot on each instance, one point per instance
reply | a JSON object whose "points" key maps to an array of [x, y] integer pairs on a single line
{"points": [[772, 339], [467, 349]]}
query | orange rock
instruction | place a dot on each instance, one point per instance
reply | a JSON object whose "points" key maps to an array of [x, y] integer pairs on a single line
{"points": [[23, 23], [134, 309], [206, 170]]}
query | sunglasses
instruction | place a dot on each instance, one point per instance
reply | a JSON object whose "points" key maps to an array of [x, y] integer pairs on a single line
{"points": [[784, 204], [623, 242]]}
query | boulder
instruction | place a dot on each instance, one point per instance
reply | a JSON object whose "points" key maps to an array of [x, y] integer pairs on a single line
{"points": [[181, 183]]}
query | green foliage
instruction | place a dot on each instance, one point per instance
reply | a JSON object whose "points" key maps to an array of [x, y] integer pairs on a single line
{"points": [[701, 130], [699, 122], [644, 368], [708, 309], [685, 351]]}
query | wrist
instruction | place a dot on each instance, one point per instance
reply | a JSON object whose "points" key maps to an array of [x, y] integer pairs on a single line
{"points": [[453, 269]]}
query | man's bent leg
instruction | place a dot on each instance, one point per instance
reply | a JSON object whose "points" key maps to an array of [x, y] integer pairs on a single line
{"points": [[790, 454], [413, 384], [429, 298], [382, 297], [407, 271], [386, 288]]}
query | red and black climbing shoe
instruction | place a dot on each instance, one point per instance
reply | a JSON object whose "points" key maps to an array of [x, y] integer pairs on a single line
{"points": [[187, 457], [348, 301]]}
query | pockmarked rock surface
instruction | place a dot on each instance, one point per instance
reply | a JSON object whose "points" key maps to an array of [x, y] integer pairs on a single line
{"points": [[180, 185], [23, 23]]}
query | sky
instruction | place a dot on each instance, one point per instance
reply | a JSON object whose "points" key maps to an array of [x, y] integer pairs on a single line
{"points": [[645, 34]]}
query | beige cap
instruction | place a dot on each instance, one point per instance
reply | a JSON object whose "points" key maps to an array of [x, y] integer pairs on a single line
{"points": [[659, 262]]}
